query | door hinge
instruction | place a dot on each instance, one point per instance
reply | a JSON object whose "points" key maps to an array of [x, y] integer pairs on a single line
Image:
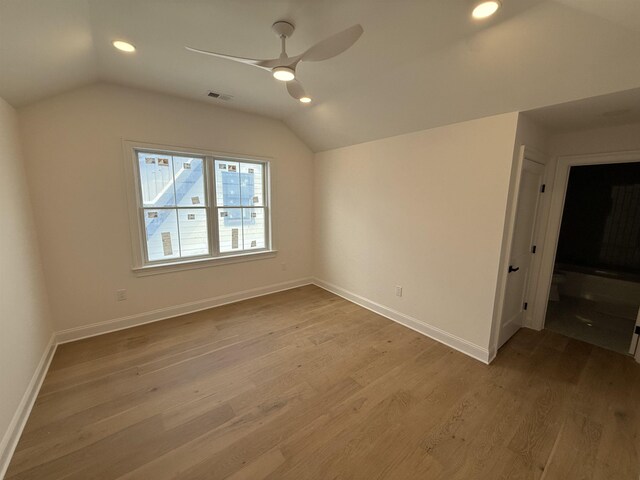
{"points": [[533, 249], [637, 330], [525, 305], [543, 188]]}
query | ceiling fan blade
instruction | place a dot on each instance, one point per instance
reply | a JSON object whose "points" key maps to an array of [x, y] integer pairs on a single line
{"points": [[295, 89], [332, 46], [247, 61]]}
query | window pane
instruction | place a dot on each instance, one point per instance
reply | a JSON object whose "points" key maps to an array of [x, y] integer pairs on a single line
{"points": [[189, 178], [251, 181], [194, 238], [156, 179], [227, 183], [254, 234], [161, 228], [230, 229]]}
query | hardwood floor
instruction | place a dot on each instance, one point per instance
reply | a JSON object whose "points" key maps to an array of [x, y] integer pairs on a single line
{"points": [[305, 385]]}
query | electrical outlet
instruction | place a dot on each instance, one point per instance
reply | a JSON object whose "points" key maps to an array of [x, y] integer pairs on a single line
{"points": [[398, 291], [121, 295]]}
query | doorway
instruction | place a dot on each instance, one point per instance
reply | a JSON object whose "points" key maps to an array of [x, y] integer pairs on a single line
{"points": [[595, 288], [590, 279]]}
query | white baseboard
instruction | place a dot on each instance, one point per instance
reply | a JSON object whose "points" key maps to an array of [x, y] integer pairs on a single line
{"points": [[19, 420], [107, 326], [453, 341], [491, 355]]}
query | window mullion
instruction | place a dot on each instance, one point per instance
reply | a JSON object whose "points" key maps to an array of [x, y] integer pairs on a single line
{"points": [[175, 201], [266, 207], [241, 206], [213, 207]]}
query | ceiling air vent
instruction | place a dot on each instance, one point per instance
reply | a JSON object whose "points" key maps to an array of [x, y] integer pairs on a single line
{"points": [[220, 96]]}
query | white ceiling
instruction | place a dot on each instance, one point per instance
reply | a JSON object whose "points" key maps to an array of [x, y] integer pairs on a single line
{"points": [[618, 108], [419, 64]]}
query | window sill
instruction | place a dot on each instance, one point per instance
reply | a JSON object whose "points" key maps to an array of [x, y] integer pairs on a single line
{"points": [[202, 263]]}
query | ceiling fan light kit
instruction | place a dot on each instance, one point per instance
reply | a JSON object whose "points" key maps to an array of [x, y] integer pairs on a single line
{"points": [[283, 68], [284, 74]]}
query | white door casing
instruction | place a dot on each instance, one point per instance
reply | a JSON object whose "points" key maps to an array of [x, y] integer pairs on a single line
{"points": [[521, 251], [634, 349]]}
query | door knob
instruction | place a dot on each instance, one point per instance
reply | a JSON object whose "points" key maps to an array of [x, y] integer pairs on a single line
{"points": [[513, 269]]}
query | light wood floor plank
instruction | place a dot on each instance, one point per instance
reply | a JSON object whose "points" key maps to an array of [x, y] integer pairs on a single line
{"points": [[303, 384]]}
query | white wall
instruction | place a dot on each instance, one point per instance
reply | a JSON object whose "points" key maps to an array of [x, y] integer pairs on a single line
{"points": [[535, 138], [73, 148], [25, 328], [597, 140], [425, 211], [532, 134]]}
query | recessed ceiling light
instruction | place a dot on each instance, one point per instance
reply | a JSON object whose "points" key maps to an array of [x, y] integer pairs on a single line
{"points": [[485, 9], [284, 74], [305, 100], [124, 46]]}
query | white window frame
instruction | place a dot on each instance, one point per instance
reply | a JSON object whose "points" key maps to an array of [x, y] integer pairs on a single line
{"points": [[140, 265]]}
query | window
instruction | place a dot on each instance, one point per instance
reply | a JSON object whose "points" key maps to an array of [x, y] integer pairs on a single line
{"points": [[194, 207]]}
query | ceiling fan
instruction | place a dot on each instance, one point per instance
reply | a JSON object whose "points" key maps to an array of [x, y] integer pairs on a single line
{"points": [[284, 67]]}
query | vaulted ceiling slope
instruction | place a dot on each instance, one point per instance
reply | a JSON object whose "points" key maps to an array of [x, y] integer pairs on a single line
{"points": [[419, 64]]}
